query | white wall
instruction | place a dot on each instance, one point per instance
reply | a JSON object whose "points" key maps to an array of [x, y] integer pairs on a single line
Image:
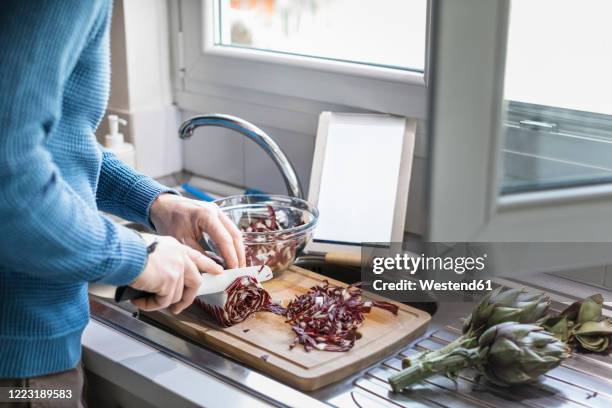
{"points": [[141, 90]]}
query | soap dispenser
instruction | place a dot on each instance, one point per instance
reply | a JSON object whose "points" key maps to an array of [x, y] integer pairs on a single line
{"points": [[115, 142]]}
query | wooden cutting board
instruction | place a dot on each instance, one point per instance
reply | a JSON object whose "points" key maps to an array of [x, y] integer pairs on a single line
{"points": [[266, 334]]}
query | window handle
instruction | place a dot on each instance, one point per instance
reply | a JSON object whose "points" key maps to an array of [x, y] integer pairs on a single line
{"points": [[538, 125]]}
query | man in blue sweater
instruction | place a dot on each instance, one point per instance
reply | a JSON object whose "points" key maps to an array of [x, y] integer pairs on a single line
{"points": [[54, 177]]}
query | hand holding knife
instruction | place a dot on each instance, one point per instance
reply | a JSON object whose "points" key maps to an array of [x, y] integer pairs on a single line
{"points": [[211, 283]]}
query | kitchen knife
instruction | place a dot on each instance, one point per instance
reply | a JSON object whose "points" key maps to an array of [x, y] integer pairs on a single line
{"points": [[211, 283]]}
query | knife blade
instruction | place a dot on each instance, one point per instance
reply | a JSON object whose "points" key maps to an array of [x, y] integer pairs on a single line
{"points": [[211, 283]]}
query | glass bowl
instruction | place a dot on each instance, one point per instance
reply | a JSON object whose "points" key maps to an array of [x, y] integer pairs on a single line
{"points": [[275, 228]]}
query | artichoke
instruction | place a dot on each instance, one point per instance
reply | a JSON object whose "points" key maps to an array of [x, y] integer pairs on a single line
{"points": [[498, 306], [513, 353], [512, 305], [507, 354], [583, 325], [595, 336]]}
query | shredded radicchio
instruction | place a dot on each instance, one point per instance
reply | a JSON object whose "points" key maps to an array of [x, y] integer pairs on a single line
{"points": [[327, 317], [243, 297], [277, 255]]}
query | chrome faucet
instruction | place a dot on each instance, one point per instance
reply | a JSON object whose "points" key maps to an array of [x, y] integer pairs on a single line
{"points": [[255, 134]]}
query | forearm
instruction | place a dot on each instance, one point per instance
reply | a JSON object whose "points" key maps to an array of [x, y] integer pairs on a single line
{"points": [[124, 192], [48, 230]]}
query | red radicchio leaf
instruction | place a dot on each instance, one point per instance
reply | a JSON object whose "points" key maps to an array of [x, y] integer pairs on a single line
{"points": [[276, 308], [386, 305], [243, 297]]}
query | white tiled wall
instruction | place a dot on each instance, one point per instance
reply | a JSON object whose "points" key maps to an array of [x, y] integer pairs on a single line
{"points": [[225, 155], [260, 172], [216, 153]]}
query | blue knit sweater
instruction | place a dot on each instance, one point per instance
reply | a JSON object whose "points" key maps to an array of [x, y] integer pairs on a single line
{"points": [[54, 177]]}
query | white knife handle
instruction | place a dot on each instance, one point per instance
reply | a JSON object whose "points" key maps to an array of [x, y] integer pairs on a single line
{"points": [[210, 283]]}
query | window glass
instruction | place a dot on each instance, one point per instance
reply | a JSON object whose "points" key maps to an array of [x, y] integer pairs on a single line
{"points": [[390, 33], [558, 92]]}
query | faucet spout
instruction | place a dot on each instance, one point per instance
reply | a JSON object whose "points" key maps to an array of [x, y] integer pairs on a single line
{"points": [[254, 133]]}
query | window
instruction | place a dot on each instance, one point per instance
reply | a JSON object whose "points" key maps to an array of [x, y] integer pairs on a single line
{"points": [[558, 123], [387, 33], [520, 121], [313, 55]]}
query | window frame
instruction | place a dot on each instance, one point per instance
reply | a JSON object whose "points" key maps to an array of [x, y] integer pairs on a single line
{"points": [[204, 70], [212, 46], [466, 119]]}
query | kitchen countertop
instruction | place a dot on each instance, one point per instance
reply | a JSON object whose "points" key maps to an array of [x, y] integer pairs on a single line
{"points": [[584, 381]]}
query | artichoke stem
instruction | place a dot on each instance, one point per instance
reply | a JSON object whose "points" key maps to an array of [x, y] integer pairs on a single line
{"points": [[421, 370], [463, 341]]}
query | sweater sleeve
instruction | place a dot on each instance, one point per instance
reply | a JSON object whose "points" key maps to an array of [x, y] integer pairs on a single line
{"points": [[124, 192], [46, 229]]}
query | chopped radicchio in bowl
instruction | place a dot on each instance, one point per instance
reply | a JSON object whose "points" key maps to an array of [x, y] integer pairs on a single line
{"points": [[278, 254]]}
